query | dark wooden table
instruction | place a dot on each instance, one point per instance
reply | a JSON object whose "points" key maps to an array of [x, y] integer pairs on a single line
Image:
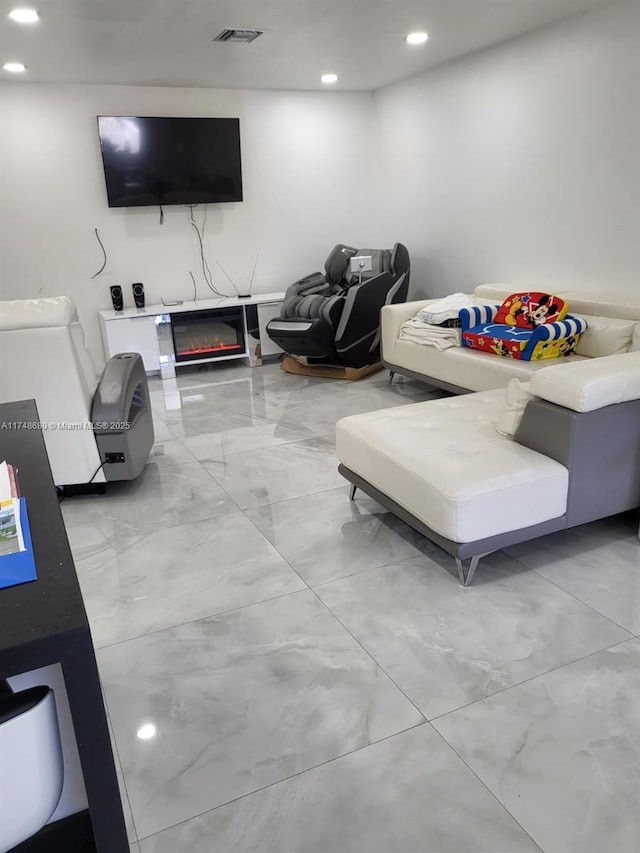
{"points": [[44, 622]]}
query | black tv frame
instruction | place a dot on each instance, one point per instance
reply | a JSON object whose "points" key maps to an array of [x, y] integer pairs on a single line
{"points": [[187, 198]]}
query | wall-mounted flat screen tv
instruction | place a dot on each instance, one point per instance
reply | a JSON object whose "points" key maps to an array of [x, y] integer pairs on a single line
{"points": [[157, 161]]}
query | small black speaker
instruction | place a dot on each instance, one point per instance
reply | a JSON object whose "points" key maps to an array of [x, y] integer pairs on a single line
{"points": [[138, 293], [117, 297]]}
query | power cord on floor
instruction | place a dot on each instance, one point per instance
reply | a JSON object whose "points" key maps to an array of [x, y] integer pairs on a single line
{"points": [[68, 491], [97, 471]]}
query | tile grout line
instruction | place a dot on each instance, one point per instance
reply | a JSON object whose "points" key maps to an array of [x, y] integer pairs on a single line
{"points": [[294, 498], [531, 678], [483, 698], [487, 788], [371, 569], [276, 549], [571, 594], [116, 748], [248, 450], [202, 618], [285, 779], [272, 447], [216, 614], [370, 656]]}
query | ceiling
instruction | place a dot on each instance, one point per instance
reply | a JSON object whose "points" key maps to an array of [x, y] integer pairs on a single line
{"points": [[169, 42]]}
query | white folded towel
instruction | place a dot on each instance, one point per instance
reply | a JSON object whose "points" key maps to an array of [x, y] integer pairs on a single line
{"points": [[447, 308], [439, 337]]}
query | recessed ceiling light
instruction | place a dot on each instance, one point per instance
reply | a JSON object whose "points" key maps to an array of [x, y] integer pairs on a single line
{"points": [[417, 38], [24, 16], [14, 67], [329, 78]]}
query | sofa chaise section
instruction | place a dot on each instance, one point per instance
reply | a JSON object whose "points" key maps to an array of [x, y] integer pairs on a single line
{"points": [[443, 467]]}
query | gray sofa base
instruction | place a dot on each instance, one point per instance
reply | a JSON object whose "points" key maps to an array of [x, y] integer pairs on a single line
{"points": [[421, 377], [601, 450], [461, 551]]}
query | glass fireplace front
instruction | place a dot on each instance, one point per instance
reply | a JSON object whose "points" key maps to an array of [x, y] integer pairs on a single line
{"points": [[199, 335]]}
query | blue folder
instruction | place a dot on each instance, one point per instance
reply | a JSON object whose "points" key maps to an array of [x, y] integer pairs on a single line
{"points": [[19, 567]]}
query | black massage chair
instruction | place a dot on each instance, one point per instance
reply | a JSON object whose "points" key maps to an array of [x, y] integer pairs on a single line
{"points": [[334, 318]]}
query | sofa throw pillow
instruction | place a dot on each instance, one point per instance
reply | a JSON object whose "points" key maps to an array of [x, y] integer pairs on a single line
{"points": [[531, 309], [606, 336], [516, 397]]}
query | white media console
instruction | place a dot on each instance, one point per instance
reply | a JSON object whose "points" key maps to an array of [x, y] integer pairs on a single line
{"points": [[197, 332]]}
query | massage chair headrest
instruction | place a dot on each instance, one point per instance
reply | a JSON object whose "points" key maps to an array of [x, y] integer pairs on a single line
{"points": [[400, 259], [337, 264], [337, 272]]}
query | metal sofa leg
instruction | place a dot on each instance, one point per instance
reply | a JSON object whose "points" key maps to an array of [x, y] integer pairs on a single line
{"points": [[467, 576], [392, 373], [352, 492]]}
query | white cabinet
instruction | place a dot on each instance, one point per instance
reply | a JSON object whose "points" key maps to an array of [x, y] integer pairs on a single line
{"points": [[148, 330], [133, 334]]}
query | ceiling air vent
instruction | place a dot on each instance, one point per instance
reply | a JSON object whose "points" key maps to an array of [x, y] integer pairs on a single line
{"points": [[238, 35]]}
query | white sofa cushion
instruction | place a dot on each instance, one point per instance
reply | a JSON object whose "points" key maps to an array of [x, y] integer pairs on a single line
{"points": [[516, 397], [495, 292], [51, 311], [445, 463], [464, 367], [605, 336], [591, 384], [609, 303]]}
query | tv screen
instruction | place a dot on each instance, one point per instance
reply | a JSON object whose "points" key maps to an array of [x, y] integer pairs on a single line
{"points": [[153, 161]]}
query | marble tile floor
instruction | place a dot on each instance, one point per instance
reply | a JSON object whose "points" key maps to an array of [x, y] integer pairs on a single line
{"points": [[286, 671]]}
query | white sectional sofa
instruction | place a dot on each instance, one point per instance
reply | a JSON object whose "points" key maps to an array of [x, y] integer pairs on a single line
{"points": [[444, 468], [614, 328]]}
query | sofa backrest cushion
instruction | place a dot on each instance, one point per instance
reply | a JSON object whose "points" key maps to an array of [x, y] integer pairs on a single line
{"points": [[588, 385], [607, 336], [493, 292], [42, 313], [605, 303], [531, 309]]}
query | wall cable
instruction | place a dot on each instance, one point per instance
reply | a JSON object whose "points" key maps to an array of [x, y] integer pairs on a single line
{"points": [[104, 252]]}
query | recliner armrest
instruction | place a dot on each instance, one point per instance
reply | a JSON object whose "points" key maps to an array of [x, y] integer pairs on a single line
{"points": [[115, 402], [313, 283]]}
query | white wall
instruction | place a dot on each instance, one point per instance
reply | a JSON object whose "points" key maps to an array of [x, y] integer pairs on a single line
{"points": [[306, 175], [518, 164], [521, 163]]}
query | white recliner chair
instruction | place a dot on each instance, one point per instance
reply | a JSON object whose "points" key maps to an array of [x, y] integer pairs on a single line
{"points": [[95, 430]]}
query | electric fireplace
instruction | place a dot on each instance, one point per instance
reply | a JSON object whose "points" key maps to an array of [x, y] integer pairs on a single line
{"points": [[205, 335]]}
